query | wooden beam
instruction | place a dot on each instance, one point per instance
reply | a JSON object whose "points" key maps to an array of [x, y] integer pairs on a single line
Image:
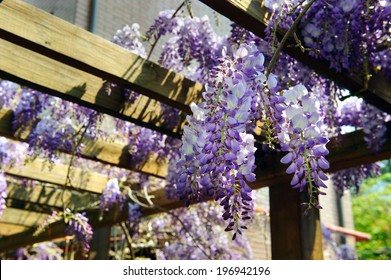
{"points": [[106, 152], [252, 15], [49, 195], [58, 79], [22, 217], [40, 170], [352, 152], [57, 230], [10, 229], [78, 48], [100, 244]]}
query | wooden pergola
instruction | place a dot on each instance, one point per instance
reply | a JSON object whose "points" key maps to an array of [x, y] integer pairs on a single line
{"points": [[50, 55]]}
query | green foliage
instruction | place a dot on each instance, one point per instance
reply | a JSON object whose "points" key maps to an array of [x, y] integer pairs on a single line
{"points": [[372, 214]]}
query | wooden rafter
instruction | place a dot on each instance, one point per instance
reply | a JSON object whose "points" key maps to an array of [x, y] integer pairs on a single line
{"points": [[252, 15], [105, 152], [53, 47], [49, 196]]}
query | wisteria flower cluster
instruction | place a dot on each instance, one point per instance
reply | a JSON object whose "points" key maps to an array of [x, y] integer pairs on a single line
{"points": [[354, 112], [45, 251], [334, 250], [217, 152], [340, 30], [351, 178], [196, 234], [302, 137], [40, 251], [192, 40], [77, 225], [111, 196]]}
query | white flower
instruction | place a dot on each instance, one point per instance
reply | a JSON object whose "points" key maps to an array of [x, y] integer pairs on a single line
{"points": [[198, 113], [271, 81]]}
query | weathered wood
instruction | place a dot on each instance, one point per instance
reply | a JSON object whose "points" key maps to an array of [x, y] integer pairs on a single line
{"points": [[80, 179], [55, 78], [22, 217], [100, 244], [294, 236], [11, 229], [106, 152], [71, 45], [252, 15], [49, 195], [57, 230]]}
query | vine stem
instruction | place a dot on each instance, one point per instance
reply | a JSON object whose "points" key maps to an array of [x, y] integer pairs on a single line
{"points": [[287, 35], [128, 239], [195, 240], [68, 178]]}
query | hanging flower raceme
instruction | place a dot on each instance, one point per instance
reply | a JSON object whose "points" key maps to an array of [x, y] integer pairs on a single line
{"points": [[77, 224], [217, 152], [111, 196], [351, 178], [302, 137]]}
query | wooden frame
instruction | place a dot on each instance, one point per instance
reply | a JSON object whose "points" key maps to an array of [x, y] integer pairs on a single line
{"points": [[60, 59]]}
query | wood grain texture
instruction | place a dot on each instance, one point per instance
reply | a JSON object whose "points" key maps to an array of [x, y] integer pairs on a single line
{"points": [[52, 77], [295, 236], [11, 229], [71, 45], [252, 15], [39, 170], [22, 217], [49, 196]]}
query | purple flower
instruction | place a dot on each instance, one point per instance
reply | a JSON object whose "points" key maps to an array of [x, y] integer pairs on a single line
{"points": [[302, 137], [78, 226], [111, 196]]}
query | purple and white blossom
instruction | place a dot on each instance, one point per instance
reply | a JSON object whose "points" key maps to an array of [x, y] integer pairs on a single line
{"points": [[351, 178], [111, 196], [78, 226], [217, 151], [302, 136]]}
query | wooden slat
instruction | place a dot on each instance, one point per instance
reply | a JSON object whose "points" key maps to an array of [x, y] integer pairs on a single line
{"points": [[10, 229], [57, 230], [22, 217], [252, 15], [351, 153], [80, 179], [49, 196], [71, 45], [106, 152], [55, 78]]}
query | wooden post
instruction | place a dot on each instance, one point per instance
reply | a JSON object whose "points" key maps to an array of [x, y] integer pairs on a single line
{"points": [[294, 236], [100, 244]]}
